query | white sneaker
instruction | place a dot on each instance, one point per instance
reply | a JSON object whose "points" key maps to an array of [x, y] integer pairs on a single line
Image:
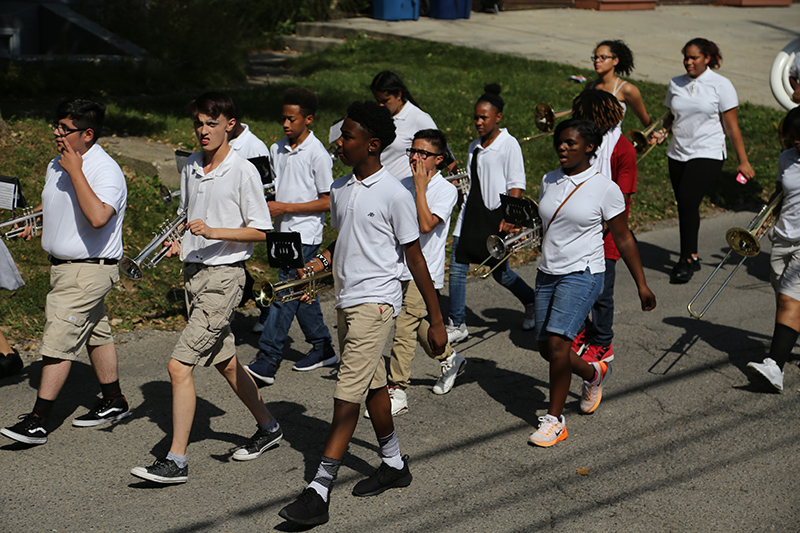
{"points": [[529, 322], [399, 401], [451, 367], [456, 333], [551, 430], [768, 372]]}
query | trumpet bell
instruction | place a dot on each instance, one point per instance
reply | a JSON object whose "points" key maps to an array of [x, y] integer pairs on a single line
{"points": [[264, 295], [743, 242], [130, 269], [638, 139], [496, 246]]}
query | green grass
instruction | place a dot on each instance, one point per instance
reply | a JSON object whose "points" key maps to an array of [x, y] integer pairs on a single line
{"points": [[445, 80]]}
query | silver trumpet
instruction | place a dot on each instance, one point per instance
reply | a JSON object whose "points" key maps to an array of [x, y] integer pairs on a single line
{"points": [[462, 181], [167, 195], [30, 217], [268, 293], [502, 248], [168, 231]]}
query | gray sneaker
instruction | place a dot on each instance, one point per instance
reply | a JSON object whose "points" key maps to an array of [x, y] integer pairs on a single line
{"points": [[768, 373], [164, 471], [456, 333], [259, 443]]}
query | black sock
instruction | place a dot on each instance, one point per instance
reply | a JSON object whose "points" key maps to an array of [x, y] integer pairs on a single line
{"points": [[783, 340], [111, 390], [43, 407]]}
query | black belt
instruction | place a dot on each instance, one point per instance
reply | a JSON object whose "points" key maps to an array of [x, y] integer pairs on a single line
{"points": [[92, 260]]}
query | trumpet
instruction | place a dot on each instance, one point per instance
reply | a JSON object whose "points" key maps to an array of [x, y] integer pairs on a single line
{"points": [[29, 217], [501, 248], [167, 195], [168, 231], [641, 138], [545, 119], [462, 181], [743, 241], [268, 293]]}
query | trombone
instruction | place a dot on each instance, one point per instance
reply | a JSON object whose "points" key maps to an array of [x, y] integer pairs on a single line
{"points": [[641, 138], [168, 231], [29, 217], [743, 241], [268, 293], [545, 119]]}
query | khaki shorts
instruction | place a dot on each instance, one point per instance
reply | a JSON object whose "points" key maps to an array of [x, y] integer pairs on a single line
{"points": [[212, 293], [75, 310], [363, 332], [784, 262]]}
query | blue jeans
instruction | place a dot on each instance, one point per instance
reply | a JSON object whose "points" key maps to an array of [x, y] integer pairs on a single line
{"points": [[563, 302], [279, 319], [599, 330], [502, 275]]}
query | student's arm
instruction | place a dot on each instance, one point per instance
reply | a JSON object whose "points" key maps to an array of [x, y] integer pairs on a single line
{"points": [[95, 210], [731, 124], [437, 336], [633, 98], [630, 254], [198, 227], [320, 205], [427, 220]]}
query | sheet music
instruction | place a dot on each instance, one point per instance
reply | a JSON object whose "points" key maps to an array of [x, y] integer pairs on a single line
{"points": [[8, 195]]}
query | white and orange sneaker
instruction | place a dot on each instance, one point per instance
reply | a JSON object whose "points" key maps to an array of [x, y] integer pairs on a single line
{"points": [[551, 430], [593, 392]]}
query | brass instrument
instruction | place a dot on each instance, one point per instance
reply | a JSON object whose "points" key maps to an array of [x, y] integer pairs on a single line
{"points": [[462, 181], [743, 241], [502, 248], [168, 231], [641, 138], [545, 119], [310, 286], [29, 217], [779, 74]]}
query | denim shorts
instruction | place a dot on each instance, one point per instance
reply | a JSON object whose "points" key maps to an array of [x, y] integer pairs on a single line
{"points": [[563, 302]]}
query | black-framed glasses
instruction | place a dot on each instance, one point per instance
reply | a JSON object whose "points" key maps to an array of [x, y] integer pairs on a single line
{"points": [[601, 58], [63, 129], [423, 154]]}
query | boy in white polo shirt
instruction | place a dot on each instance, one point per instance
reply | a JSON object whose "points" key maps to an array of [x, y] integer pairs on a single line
{"points": [[226, 212], [302, 168], [83, 204], [377, 225]]}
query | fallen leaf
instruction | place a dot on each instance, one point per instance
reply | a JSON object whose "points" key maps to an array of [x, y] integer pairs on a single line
{"points": [[583, 471]]}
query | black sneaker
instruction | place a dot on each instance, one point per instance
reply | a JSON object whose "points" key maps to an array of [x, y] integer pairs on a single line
{"points": [[105, 410], [30, 431], [259, 443], [309, 509], [162, 471], [681, 272], [10, 364], [263, 368], [385, 477]]}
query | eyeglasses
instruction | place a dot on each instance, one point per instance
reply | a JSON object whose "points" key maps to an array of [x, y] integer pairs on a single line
{"points": [[423, 154], [601, 58], [64, 130]]}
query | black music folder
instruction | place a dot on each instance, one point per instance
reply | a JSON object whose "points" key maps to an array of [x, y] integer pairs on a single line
{"points": [[284, 250], [519, 211], [11, 196]]}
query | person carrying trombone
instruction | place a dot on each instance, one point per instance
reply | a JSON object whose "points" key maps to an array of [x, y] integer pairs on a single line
{"points": [[784, 262]]}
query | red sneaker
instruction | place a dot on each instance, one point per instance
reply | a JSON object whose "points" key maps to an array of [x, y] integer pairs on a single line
{"points": [[595, 353], [579, 342]]}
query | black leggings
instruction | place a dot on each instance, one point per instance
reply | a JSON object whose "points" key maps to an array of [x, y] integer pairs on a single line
{"points": [[691, 181]]}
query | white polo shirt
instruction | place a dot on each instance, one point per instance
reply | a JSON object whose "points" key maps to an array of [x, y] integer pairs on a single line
{"points": [[500, 169], [375, 217], [301, 175], [788, 224], [230, 196], [602, 157], [248, 145], [66, 233], [407, 122], [698, 104], [441, 196], [575, 239]]}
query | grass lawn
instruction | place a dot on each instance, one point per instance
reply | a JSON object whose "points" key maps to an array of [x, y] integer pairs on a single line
{"points": [[445, 80]]}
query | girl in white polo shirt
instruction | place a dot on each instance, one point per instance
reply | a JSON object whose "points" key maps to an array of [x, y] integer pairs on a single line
{"points": [[785, 261], [703, 105], [574, 203], [390, 92]]}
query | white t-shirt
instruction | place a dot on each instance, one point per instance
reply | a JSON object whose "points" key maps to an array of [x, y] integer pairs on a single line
{"points": [[575, 239], [602, 157], [375, 217], [301, 175], [66, 233], [248, 145], [441, 196], [407, 122], [788, 223], [230, 196], [500, 169], [698, 104]]}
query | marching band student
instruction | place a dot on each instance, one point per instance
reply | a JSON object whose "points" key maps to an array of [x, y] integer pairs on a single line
{"points": [[785, 261], [611, 60], [226, 212], [574, 202], [390, 92], [377, 225], [303, 168], [10, 280], [83, 205], [704, 105], [495, 167], [435, 198]]}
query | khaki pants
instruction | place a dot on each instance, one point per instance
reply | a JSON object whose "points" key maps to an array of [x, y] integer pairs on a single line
{"points": [[410, 328]]}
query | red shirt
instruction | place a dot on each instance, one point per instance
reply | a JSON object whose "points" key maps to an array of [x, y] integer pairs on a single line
{"points": [[623, 173]]}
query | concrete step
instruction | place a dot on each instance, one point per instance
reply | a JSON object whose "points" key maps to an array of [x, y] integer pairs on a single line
{"points": [[342, 29], [266, 67], [310, 44]]}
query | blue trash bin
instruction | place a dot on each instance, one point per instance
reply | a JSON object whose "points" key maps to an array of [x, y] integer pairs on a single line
{"points": [[450, 9], [395, 9]]}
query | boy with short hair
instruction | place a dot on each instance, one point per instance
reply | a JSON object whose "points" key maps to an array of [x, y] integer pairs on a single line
{"points": [[302, 168], [83, 205], [226, 213], [377, 225]]}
